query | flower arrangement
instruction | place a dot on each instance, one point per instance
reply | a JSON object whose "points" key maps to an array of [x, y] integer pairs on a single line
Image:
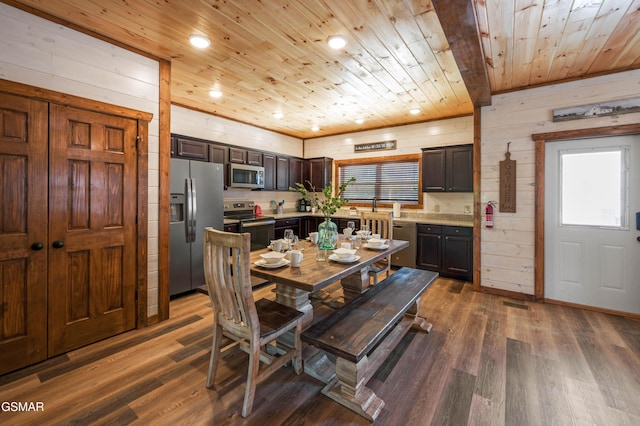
{"points": [[328, 231], [329, 204]]}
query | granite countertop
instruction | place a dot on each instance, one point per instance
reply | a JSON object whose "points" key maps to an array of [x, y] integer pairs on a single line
{"points": [[431, 218]]}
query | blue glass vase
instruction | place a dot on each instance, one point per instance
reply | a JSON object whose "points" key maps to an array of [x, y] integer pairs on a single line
{"points": [[327, 235]]}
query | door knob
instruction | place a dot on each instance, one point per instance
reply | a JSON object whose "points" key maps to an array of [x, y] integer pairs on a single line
{"points": [[58, 244], [37, 246]]}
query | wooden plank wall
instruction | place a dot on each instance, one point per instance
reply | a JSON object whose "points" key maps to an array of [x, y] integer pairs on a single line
{"points": [[507, 252], [410, 139], [43, 54], [205, 126]]}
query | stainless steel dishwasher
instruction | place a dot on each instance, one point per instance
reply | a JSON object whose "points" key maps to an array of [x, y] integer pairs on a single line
{"points": [[405, 231]]}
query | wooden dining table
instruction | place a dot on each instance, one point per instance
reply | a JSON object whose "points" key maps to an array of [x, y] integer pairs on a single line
{"points": [[293, 285]]}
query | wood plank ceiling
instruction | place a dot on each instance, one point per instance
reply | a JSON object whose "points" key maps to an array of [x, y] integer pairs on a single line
{"points": [[440, 56]]}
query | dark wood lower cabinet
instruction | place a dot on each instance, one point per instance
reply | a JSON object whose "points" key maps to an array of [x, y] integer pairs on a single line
{"points": [[289, 223], [447, 250], [429, 247], [457, 252]]}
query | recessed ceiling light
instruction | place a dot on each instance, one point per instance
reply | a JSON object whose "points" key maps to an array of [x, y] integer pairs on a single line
{"points": [[414, 111], [315, 128], [278, 115], [359, 120], [337, 42], [199, 41], [215, 93]]}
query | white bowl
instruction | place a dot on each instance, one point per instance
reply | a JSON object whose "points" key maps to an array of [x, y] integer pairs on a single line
{"points": [[273, 256], [374, 242], [344, 254]]}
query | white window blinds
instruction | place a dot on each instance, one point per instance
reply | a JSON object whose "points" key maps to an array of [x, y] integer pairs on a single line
{"points": [[388, 181]]}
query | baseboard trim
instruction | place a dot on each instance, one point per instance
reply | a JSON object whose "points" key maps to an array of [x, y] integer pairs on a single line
{"points": [[593, 308], [507, 293]]}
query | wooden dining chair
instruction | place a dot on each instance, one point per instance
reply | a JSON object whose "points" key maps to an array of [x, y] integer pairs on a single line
{"points": [[253, 325], [379, 223]]}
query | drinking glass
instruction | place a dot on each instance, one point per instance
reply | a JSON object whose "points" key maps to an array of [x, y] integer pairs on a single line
{"points": [[364, 234], [351, 225], [288, 237], [294, 243]]}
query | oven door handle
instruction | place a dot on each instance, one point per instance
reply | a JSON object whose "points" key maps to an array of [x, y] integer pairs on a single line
{"points": [[258, 223]]}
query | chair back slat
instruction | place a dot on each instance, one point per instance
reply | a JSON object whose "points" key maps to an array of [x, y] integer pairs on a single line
{"points": [[379, 223], [227, 274]]}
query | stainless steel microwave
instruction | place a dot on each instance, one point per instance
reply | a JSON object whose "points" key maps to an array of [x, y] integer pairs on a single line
{"points": [[246, 176]]}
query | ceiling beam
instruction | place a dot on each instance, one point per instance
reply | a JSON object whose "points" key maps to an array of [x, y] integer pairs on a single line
{"points": [[459, 23]]}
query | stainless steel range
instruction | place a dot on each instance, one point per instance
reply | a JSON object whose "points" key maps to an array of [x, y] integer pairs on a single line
{"points": [[261, 228]]}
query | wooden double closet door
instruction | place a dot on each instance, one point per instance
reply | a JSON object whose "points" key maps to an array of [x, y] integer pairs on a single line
{"points": [[67, 228]]}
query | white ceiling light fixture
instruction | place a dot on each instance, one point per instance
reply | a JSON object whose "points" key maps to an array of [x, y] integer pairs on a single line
{"points": [[215, 93], [359, 120], [315, 128], [337, 42], [199, 41], [414, 111], [278, 115]]}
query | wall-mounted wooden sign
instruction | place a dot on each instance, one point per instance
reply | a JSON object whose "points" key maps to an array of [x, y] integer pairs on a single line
{"points": [[374, 146], [507, 183]]}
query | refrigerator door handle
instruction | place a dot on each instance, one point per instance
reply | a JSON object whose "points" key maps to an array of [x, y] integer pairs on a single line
{"points": [[194, 210], [187, 210]]}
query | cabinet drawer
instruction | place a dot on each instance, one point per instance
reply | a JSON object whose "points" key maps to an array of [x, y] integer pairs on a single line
{"points": [[281, 223], [458, 230], [429, 229]]}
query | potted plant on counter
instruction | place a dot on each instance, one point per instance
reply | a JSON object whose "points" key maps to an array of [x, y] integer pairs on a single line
{"points": [[328, 204]]}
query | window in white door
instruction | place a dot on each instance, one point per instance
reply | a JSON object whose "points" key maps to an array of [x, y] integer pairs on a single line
{"points": [[594, 187]]}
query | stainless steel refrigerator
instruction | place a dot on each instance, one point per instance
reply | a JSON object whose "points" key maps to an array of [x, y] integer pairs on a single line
{"points": [[196, 202]]}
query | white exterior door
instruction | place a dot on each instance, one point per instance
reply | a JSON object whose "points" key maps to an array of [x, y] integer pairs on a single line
{"points": [[592, 198]]}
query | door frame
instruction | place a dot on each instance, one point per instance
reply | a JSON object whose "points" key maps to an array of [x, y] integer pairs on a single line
{"points": [[142, 165], [540, 140]]}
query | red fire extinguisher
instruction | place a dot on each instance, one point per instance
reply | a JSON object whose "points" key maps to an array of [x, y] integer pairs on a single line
{"points": [[488, 211]]}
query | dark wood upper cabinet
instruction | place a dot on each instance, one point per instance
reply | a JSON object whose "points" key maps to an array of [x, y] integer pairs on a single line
{"points": [[282, 173], [433, 170], [254, 158], [191, 150], [319, 172], [237, 155], [448, 169], [220, 154], [243, 156], [269, 164], [296, 171]]}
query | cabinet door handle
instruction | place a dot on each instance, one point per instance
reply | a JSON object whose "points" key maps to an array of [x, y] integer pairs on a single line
{"points": [[37, 246], [58, 244]]}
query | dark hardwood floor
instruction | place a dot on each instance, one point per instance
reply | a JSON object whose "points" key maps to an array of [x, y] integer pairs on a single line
{"points": [[488, 361]]}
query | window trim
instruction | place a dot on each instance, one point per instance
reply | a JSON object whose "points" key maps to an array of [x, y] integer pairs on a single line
{"points": [[377, 160]]}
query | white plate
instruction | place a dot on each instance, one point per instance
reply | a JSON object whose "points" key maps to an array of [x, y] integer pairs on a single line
{"points": [[337, 259], [382, 247], [263, 263]]}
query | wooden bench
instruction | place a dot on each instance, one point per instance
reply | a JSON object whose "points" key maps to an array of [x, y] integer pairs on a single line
{"points": [[363, 333]]}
